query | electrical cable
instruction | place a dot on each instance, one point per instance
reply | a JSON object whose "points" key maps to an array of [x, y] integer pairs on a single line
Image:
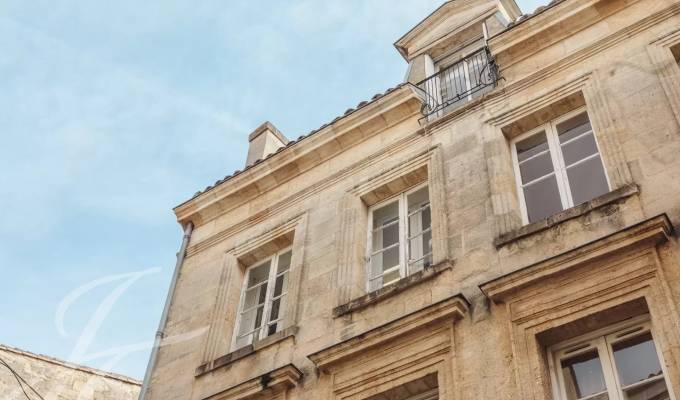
{"points": [[20, 379]]}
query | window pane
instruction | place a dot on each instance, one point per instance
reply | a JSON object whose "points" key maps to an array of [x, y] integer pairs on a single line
{"points": [[579, 149], [276, 313], [386, 214], [383, 261], [542, 199], [583, 376], [254, 296], [535, 168], [531, 146], [454, 85], [573, 127], [258, 274], [385, 237], [281, 284], [636, 359], [386, 226], [419, 233], [251, 320], [587, 180], [418, 199], [284, 262], [655, 390]]}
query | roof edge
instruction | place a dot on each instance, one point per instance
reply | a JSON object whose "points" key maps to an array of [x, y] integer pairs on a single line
{"points": [[66, 364]]}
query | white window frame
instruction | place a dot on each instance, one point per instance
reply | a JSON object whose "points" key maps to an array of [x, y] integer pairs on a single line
{"points": [[269, 300], [559, 165], [602, 340], [402, 199]]}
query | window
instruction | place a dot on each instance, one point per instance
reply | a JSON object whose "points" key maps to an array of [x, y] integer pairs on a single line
{"points": [[464, 80], [619, 364], [558, 166], [400, 238], [263, 299]]}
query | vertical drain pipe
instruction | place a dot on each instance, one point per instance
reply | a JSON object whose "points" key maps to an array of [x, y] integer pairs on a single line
{"points": [[160, 334]]}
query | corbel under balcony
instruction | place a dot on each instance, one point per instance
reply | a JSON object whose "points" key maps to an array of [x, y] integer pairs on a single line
{"points": [[273, 382], [454, 308]]}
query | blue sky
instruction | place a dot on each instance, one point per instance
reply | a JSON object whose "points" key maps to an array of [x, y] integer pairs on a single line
{"points": [[115, 112]]}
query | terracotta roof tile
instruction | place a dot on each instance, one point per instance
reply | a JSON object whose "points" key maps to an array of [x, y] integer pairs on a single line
{"points": [[292, 142]]}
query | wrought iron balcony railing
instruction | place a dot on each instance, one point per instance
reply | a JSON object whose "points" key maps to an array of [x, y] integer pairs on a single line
{"points": [[459, 83]]}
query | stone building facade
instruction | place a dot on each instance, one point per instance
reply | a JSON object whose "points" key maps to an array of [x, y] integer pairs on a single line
{"points": [[500, 226], [54, 379]]}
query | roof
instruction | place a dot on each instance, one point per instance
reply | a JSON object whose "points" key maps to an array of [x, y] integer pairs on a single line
{"points": [[65, 364], [292, 143], [522, 18], [536, 12]]}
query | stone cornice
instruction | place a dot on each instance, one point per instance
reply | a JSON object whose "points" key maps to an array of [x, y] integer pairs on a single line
{"points": [[648, 233], [343, 133], [436, 17], [498, 99], [386, 292], [557, 18], [453, 308], [414, 142], [553, 25], [274, 382]]}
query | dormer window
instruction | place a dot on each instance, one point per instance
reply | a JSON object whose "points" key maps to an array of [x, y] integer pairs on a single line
{"points": [[459, 83]]}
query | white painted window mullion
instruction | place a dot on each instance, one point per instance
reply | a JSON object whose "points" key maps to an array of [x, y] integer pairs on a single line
{"points": [[403, 234], [558, 165]]}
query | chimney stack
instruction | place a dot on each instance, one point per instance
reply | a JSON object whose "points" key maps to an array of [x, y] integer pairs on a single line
{"points": [[264, 140]]}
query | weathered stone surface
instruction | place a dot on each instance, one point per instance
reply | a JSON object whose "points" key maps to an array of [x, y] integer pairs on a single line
{"points": [[614, 257], [55, 379]]}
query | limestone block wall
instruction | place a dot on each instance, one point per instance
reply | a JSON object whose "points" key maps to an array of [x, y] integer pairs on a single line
{"points": [[55, 379], [606, 56]]}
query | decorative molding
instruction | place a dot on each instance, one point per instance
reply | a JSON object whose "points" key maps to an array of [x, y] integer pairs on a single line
{"points": [[602, 111], [350, 272], [538, 101], [667, 67], [440, 227], [453, 308], [571, 213], [581, 55], [271, 383], [234, 356], [648, 233], [387, 111], [383, 293], [393, 172], [224, 312], [219, 320], [278, 208]]}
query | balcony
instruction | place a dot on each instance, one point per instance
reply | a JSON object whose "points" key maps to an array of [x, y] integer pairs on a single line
{"points": [[458, 84]]}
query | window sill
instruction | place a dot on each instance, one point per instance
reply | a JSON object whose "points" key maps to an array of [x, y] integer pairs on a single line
{"points": [[571, 213], [246, 351], [388, 291]]}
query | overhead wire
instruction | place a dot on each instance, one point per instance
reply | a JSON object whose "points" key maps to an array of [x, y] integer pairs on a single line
{"points": [[21, 381]]}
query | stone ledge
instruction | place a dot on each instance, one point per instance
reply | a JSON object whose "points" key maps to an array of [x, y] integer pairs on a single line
{"points": [[263, 386], [571, 213], [246, 351], [374, 297], [649, 233], [453, 308]]}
